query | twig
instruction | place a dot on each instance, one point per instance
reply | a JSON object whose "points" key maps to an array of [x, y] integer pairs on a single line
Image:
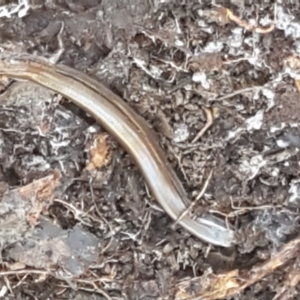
{"points": [[209, 122], [241, 91], [232, 17], [233, 282], [25, 271], [204, 186], [197, 198], [78, 212], [181, 84], [56, 56]]}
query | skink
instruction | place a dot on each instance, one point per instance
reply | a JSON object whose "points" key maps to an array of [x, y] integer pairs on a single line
{"points": [[129, 129]]}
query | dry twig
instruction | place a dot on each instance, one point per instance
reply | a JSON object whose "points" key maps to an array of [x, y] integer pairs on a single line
{"points": [[217, 286], [198, 197], [210, 114], [228, 14]]}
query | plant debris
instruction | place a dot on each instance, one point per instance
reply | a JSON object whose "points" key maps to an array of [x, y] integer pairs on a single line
{"points": [[219, 84]]}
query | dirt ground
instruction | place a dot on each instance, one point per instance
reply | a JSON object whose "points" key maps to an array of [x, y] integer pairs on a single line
{"points": [[219, 84]]}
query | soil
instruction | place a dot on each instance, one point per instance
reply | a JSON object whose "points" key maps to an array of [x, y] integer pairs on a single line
{"points": [[100, 234]]}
